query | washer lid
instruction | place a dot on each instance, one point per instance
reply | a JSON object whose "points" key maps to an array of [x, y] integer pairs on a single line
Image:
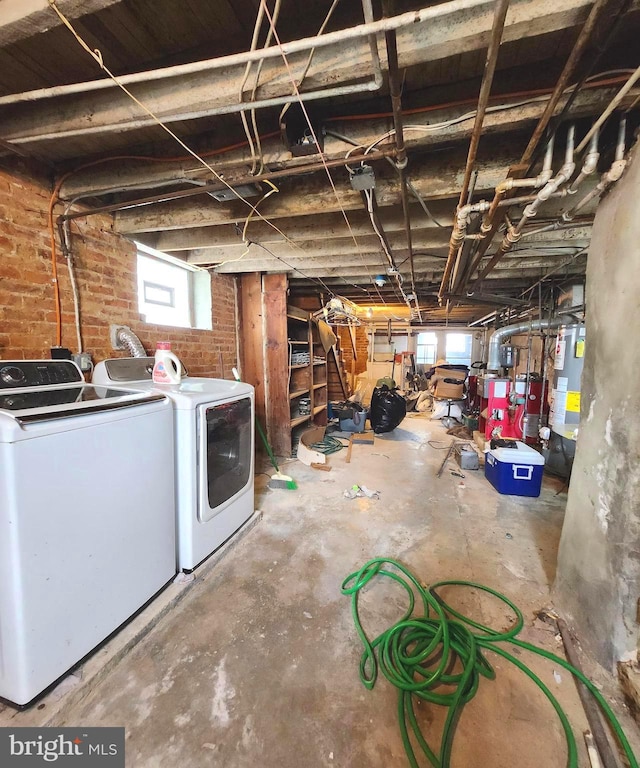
{"points": [[46, 403]]}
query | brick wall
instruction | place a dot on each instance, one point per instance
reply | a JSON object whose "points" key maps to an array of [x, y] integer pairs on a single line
{"points": [[105, 267], [362, 349]]}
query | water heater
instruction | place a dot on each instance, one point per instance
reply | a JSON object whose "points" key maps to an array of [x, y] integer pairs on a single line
{"points": [[564, 416]]}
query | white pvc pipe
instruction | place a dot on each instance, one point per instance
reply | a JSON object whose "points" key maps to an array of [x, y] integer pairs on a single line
{"points": [[305, 44], [612, 105]]}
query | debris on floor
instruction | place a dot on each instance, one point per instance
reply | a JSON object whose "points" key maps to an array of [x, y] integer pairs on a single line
{"points": [[361, 490]]}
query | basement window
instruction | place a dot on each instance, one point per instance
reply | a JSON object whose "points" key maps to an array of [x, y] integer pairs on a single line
{"points": [[426, 348], [458, 348], [172, 292]]}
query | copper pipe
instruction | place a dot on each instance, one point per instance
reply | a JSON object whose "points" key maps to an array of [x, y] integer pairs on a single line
{"points": [[521, 169], [457, 237], [584, 37], [216, 187], [395, 92], [513, 234]]}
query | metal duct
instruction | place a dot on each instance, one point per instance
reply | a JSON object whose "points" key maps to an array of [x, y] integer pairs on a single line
{"points": [[496, 337], [130, 342]]}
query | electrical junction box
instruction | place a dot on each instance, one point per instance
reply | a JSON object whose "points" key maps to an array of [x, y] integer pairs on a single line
{"points": [[363, 178]]}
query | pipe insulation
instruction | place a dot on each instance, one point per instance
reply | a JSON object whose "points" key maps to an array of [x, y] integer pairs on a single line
{"points": [[496, 338]]}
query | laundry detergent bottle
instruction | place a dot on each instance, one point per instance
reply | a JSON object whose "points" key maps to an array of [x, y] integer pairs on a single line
{"points": [[167, 368]]}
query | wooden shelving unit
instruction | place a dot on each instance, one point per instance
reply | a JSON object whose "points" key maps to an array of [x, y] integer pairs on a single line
{"points": [[290, 396], [308, 381]]}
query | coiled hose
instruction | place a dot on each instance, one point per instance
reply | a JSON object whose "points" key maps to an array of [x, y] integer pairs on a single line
{"points": [[417, 654], [328, 445]]}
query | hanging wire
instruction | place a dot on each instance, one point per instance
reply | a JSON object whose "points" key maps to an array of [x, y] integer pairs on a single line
{"points": [[315, 138], [97, 56], [311, 54]]}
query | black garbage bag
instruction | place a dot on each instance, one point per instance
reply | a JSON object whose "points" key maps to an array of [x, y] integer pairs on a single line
{"points": [[388, 408]]}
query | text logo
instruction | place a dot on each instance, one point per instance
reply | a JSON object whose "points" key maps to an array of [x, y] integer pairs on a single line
{"points": [[62, 747]]}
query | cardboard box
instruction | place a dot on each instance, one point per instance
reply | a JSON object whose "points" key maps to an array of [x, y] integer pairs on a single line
{"points": [[446, 373], [445, 390]]}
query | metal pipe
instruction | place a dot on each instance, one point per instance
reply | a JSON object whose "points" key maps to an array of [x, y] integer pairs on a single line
{"points": [[216, 186], [514, 234], [396, 105], [589, 704], [569, 67], [226, 109], [367, 12], [610, 177], [588, 166], [488, 227], [493, 363], [499, 17], [612, 105], [601, 45], [511, 183], [457, 236], [303, 45], [553, 185], [574, 57]]}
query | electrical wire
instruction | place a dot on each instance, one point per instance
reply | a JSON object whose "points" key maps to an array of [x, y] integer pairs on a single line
{"points": [[368, 194], [310, 57], [315, 139], [243, 117], [295, 269], [98, 58], [255, 169], [419, 654], [423, 205], [464, 102], [65, 240]]}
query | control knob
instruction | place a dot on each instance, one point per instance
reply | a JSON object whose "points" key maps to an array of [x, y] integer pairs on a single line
{"points": [[11, 374]]}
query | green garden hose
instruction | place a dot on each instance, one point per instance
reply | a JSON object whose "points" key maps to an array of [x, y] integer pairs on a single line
{"points": [[417, 654], [328, 445]]}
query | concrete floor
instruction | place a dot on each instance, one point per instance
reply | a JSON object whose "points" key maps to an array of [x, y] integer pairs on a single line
{"points": [[258, 664]]}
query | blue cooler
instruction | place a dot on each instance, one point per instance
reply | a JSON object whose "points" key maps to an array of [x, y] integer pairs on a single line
{"points": [[515, 471]]}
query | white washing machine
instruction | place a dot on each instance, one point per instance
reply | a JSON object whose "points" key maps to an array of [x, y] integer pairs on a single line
{"points": [[87, 533], [214, 469]]}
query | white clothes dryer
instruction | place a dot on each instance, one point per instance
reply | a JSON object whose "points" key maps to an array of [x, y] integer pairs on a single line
{"points": [[214, 453]]}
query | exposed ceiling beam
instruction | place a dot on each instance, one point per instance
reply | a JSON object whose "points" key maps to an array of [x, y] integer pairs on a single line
{"points": [[435, 176], [20, 19], [173, 95], [321, 226], [335, 249], [118, 176], [369, 268]]}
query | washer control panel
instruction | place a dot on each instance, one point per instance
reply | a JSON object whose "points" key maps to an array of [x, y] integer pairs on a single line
{"points": [[18, 374]]}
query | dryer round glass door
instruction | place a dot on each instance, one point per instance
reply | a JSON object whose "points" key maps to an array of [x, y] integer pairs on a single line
{"points": [[226, 430]]}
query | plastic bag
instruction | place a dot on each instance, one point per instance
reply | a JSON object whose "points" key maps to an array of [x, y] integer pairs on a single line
{"points": [[388, 408]]}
